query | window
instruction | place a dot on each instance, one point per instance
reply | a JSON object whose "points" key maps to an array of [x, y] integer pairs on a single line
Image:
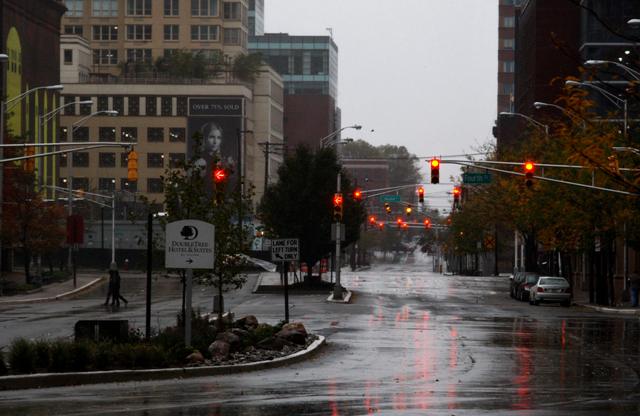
{"points": [[105, 8], [134, 106], [508, 66], [62, 160], [176, 160], [105, 56], [105, 32], [107, 184], [73, 30], [63, 134], [128, 186], [103, 103], [85, 109], [129, 134], [171, 7], [232, 11], [507, 89], [155, 134], [68, 56], [80, 160], [171, 32], [74, 8], [107, 134], [507, 43], [139, 55], [139, 7], [155, 186], [106, 160], [181, 106], [177, 134], [80, 183], [155, 160], [204, 32], [232, 37], [204, 7], [123, 159], [118, 104], [151, 106], [81, 134], [166, 106], [508, 21], [138, 32]]}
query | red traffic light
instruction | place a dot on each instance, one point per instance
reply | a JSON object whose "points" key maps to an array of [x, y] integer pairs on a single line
{"points": [[357, 194], [435, 170], [337, 200], [427, 223], [372, 219], [381, 225], [219, 175], [529, 167], [435, 163], [399, 220], [456, 191]]}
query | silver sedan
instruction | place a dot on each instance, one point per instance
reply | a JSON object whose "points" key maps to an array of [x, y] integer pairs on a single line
{"points": [[550, 289]]}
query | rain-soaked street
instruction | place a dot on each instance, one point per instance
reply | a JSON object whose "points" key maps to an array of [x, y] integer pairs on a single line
{"points": [[411, 342]]}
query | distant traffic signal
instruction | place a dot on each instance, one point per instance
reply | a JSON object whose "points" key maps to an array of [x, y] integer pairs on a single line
{"points": [[387, 207], [381, 225], [372, 220], [456, 195], [219, 175], [427, 223], [132, 166], [399, 222], [421, 194], [408, 210], [529, 167], [337, 207], [357, 194], [435, 170]]}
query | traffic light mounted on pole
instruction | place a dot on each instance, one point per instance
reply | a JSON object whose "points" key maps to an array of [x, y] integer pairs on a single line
{"points": [[408, 210], [435, 170], [421, 194], [456, 196], [337, 207], [357, 194], [387, 207], [132, 166], [529, 167]]}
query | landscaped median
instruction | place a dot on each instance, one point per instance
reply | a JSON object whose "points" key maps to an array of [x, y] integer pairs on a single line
{"points": [[246, 346]]}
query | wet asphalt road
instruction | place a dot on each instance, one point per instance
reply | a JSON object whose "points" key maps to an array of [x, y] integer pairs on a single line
{"points": [[412, 342]]}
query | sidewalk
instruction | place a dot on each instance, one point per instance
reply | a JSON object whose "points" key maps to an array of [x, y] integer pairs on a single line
{"points": [[269, 282], [625, 308], [60, 290]]}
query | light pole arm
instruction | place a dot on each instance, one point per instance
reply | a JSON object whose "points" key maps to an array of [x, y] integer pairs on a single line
{"points": [[529, 119], [330, 135], [95, 146]]}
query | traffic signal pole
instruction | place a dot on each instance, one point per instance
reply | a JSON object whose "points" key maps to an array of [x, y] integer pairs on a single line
{"points": [[337, 287]]}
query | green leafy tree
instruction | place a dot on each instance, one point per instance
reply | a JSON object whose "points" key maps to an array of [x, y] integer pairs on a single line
{"points": [[300, 204], [247, 67], [189, 196]]}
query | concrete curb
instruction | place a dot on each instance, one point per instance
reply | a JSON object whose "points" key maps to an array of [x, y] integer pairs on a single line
{"points": [[256, 287], [65, 295], [33, 381], [610, 310], [345, 299]]}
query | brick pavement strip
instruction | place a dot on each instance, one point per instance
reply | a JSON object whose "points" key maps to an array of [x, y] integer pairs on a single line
{"points": [[32, 381]]}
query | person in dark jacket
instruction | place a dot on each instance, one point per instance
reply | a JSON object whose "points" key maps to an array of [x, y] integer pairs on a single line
{"points": [[635, 289], [114, 284], [110, 285]]}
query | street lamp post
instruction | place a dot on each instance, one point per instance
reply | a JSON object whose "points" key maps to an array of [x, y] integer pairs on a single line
{"points": [[617, 101], [531, 120], [337, 287], [74, 127]]}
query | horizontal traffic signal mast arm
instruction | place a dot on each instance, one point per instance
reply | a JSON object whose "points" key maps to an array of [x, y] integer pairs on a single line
{"points": [[91, 145], [544, 178], [543, 165]]}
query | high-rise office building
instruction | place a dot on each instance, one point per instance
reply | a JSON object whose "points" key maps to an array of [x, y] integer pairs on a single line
{"points": [[506, 54]]}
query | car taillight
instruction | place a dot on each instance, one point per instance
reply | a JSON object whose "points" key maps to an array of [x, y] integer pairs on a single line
{"points": [[540, 289]]}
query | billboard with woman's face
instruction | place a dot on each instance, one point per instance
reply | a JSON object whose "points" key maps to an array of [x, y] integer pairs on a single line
{"points": [[219, 120]]}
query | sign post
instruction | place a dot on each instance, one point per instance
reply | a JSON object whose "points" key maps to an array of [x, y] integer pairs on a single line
{"points": [[285, 250], [189, 244]]}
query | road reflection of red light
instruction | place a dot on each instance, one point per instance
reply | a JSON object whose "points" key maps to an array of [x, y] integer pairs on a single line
{"points": [[332, 398], [563, 338], [371, 401], [525, 366], [424, 362], [452, 392]]}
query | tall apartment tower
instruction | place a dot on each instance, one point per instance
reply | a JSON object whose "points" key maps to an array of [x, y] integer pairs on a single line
{"points": [[132, 31], [506, 55]]}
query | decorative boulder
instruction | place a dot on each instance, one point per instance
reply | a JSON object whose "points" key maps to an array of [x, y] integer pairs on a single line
{"points": [[273, 343], [293, 332], [195, 357], [230, 338], [219, 350], [247, 322]]}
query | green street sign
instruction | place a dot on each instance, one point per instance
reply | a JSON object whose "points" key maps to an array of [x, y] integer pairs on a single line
{"points": [[476, 178], [389, 198]]}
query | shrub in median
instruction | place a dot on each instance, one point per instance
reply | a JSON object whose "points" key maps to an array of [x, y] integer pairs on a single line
{"points": [[22, 356], [42, 351], [60, 356], [3, 366]]}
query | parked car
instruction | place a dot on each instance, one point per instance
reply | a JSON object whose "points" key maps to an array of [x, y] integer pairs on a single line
{"points": [[550, 289], [527, 280]]}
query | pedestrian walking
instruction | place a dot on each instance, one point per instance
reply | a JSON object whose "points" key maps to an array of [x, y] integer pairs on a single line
{"points": [[114, 276], [635, 289], [110, 294]]}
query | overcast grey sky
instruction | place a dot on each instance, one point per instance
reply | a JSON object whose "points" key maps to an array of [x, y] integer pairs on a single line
{"points": [[421, 73]]}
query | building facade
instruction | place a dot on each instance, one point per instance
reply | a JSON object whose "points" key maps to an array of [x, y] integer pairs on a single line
{"points": [[122, 33], [506, 53]]}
